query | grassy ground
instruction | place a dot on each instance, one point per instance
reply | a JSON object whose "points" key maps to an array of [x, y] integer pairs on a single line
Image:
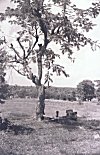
{"points": [[50, 137]]}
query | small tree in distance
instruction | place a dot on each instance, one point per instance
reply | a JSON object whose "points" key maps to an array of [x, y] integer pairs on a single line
{"points": [[40, 26]]}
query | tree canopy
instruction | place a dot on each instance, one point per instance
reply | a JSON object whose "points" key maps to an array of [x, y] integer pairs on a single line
{"points": [[3, 85], [97, 89], [86, 90], [40, 25]]}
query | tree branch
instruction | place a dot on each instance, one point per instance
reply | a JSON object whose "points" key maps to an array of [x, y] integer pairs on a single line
{"points": [[32, 77], [36, 36], [44, 30], [36, 41], [42, 49], [16, 61], [16, 52], [42, 24], [18, 39], [23, 74]]}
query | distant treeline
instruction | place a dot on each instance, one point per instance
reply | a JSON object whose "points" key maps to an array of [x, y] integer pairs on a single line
{"points": [[59, 93]]}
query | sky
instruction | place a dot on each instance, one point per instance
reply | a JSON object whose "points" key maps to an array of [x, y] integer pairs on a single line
{"points": [[86, 65]]}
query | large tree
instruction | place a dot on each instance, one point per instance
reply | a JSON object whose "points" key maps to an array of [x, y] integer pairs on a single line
{"points": [[86, 90], [97, 89], [3, 84], [39, 26]]}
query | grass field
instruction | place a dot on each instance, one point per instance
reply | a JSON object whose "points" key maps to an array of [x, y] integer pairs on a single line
{"points": [[50, 137]]}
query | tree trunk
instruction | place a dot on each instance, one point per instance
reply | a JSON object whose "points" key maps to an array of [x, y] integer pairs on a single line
{"points": [[40, 103]]}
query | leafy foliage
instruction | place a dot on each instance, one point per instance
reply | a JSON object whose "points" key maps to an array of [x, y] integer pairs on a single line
{"points": [[3, 85], [86, 90], [57, 93], [98, 89], [98, 94], [38, 23], [22, 91]]}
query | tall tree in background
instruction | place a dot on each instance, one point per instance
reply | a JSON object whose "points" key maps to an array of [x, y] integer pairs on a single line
{"points": [[39, 26], [98, 90], [3, 85], [86, 90]]}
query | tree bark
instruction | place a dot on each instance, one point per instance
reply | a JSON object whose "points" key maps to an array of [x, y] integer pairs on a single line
{"points": [[40, 103]]}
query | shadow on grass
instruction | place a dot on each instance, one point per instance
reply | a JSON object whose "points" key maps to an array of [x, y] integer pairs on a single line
{"points": [[18, 116], [11, 153], [3, 152], [65, 122], [16, 129], [7, 153], [87, 154], [91, 124], [19, 129], [74, 124]]}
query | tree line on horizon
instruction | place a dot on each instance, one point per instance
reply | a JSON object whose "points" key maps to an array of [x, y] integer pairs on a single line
{"points": [[86, 90]]}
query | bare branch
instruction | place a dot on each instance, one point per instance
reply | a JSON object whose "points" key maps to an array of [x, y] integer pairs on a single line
{"points": [[23, 74], [30, 49], [18, 39], [36, 36], [42, 24], [30, 75], [34, 78], [16, 52], [16, 61]]}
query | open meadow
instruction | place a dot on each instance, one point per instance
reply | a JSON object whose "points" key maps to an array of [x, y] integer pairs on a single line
{"points": [[26, 136]]}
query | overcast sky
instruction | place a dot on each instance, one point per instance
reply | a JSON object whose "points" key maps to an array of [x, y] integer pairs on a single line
{"points": [[86, 65]]}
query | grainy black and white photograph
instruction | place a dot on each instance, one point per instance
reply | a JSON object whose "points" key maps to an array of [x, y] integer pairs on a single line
{"points": [[49, 77]]}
